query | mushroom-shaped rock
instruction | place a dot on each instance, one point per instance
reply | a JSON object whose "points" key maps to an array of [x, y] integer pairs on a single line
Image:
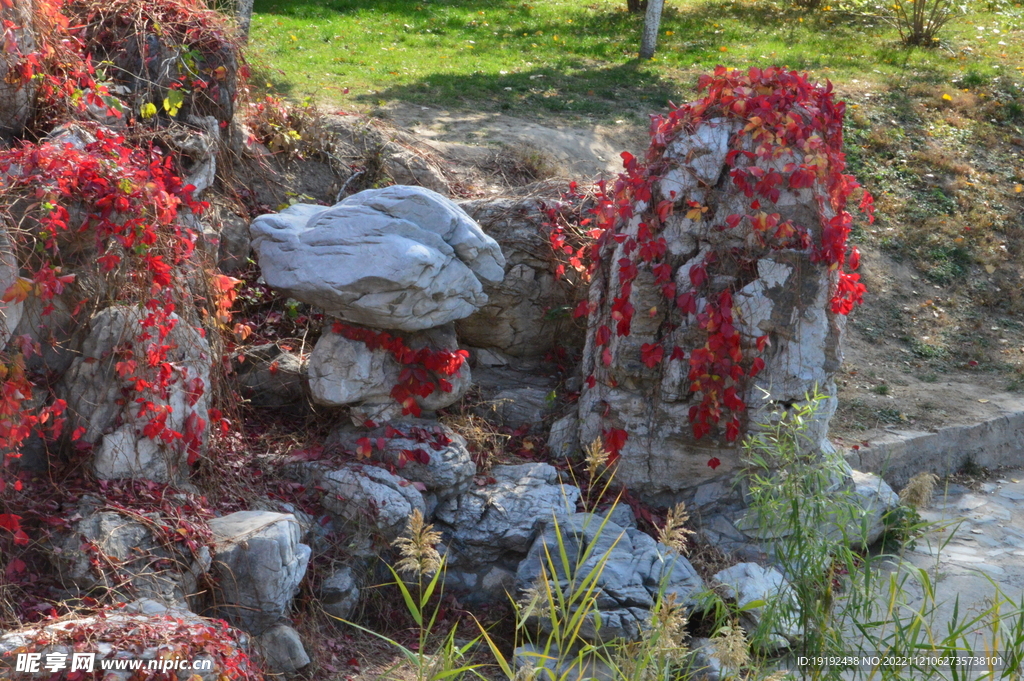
{"points": [[401, 258]]}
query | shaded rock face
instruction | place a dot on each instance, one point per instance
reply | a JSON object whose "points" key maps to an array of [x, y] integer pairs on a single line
{"points": [[785, 296], [151, 569], [633, 570], [521, 316], [514, 398], [402, 258], [282, 649], [260, 563], [94, 392], [339, 593], [16, 97], [345, 372], [271, 377], [488, 530]]}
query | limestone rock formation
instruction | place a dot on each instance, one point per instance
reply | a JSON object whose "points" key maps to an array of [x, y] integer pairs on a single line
{"points": [[129, 550], [400, 258], [488, 530], [423, 451], [94, 387], [260, 563], [522, 315], [364, 500], [643, 381]]}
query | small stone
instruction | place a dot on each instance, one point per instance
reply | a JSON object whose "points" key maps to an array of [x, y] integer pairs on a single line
{"points": [[282, 648]]}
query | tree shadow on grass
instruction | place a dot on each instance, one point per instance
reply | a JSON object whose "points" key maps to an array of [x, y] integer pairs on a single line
{"points": [[575, 88], [318, 9]]}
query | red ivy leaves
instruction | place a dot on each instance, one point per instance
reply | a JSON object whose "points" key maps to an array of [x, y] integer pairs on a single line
{"points": [[651, 354], [415, 379]]}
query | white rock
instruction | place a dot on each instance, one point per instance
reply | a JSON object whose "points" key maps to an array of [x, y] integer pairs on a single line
{"points": [[750, 582], [260, 563], [392, 270]]}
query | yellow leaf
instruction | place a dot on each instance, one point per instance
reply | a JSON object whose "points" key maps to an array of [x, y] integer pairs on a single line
{"points": [[1019, 188], [947, 98], [18, 291], [294, 39], [148, 110], [990, 268], [723, 48], [983, 401]]}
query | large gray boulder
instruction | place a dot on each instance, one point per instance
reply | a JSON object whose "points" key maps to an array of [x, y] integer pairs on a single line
{"points": [[94, 389], [488, 530], [259, 563], [401, 258], [505, 516], [633, 570]]}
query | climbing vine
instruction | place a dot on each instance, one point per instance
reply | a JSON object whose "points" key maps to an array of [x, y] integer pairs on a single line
{"points": [[777, 114], [109, 205], [415, 379]]}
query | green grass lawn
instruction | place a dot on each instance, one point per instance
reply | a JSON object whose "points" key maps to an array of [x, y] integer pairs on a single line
{"points": [[579, 58]]}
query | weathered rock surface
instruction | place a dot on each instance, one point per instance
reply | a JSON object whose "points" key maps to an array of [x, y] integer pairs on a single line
{"points": [[271, 377], [165, 572], [505, 516], [364, 500], [16, 97], [522, 315], [259, 563], [636, 569], [564, 436], [344, 372], [488, 530], [94, 392], [425, 452], [10, 312], [282, 649], [401, 258], [875, 498], [749, 582], [150, 626], [786, 297]]}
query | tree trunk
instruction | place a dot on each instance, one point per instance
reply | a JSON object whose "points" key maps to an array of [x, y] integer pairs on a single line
{"points": [[651, 23], [636, 6]]}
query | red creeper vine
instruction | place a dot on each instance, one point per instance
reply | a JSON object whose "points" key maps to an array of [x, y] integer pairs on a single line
{"points": [[776, 114]]}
